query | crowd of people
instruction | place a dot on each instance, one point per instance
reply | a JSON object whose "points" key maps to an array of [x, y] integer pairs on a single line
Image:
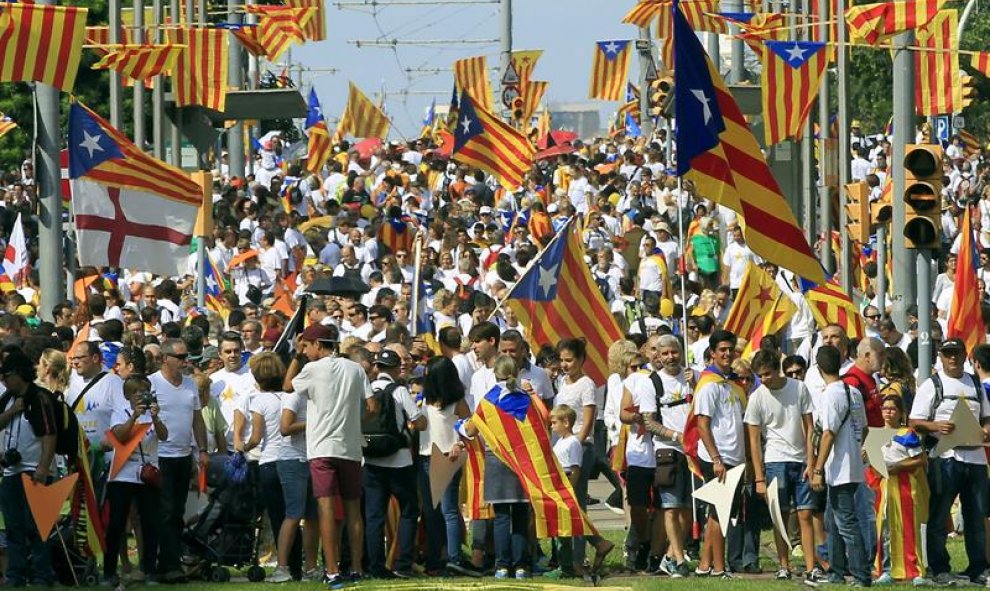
{"points": [[337, 426]]}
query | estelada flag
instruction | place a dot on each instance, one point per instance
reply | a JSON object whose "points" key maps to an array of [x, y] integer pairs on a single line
{"points": [[483, 140], [474, 482], [513, 426], [609, 69], [557, 299], [756, 297], [792, 74]]}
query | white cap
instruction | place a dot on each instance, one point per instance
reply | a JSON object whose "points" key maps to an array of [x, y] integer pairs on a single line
{"points": [[485, 209]]}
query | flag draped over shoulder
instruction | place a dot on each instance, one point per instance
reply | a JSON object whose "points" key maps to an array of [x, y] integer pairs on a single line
{"points": [[557, 299], [755, 300], [200, 74], [41, 43], [130, 209], [878, 22], [902, 506], [140, 62], [691, 437], [965, 318], [483, 140], [471, 76], [362, 118], [717, 151], [609, 69], [938, 88], [792, 74], [831, 305], [513, 426], [474, 482]]}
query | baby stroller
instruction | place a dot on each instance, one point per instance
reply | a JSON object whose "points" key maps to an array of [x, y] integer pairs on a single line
{"points": [[72, 561], [226, 532]]}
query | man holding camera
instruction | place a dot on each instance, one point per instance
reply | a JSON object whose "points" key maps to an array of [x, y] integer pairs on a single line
{"points": [[28, 423]]}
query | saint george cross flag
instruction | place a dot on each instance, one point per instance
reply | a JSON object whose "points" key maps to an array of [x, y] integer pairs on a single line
{"points": [[130, 210]]}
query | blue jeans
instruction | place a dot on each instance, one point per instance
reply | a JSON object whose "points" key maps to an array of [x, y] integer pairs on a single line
{"points": [[443, 523], [948, 478], [511, 525], [866, 513], [22, 536], [742, 542], [380, 484], [588, 460], [270, 491], [845, 540]]}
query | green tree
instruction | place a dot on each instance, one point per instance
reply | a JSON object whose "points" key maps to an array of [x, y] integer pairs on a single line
{"points": [[976, 37]]}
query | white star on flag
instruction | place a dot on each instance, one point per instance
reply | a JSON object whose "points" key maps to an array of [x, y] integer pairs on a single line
{"points": [[92, 143], [795, 53], [466, 124], [548, 278], [211, 283], [704, 100], [611, 48]]}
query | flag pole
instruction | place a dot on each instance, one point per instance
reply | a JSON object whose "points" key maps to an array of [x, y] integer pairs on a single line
{"points": [[417, 278], [682, 268], [49, 181]]}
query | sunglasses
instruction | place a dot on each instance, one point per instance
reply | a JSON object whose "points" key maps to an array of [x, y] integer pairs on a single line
{"points": [[871, 316]]}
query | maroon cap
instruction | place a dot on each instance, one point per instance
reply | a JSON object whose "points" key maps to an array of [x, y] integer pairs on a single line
{"points": [[321, 332]]}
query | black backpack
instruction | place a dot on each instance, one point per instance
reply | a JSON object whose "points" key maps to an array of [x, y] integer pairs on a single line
{"points": [[382, 437]]}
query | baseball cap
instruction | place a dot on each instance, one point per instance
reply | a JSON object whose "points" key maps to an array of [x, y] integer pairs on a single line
{"points": [[485, 209], [952, 345], [320, 332], [387, 358], [210, 352]]}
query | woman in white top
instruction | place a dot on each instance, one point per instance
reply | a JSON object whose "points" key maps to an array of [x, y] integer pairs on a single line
{"points": [[135, 480], [577, 391]]}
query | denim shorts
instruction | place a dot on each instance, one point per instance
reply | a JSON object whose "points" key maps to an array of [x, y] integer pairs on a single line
{"points": [[296, 490], [793, 491], [677, 495]]}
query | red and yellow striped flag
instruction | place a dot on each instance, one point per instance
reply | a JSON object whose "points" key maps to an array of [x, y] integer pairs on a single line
{"points": [[831, 305], [319, 148], [362, 118], [781, 312], [514, 426], [200, 74], [645, 12], [609, 69], [280, 26], [981, 62], [41, 43], [471, 75], [757, 295], [316, 28], [140, 62], [938, 89], [532, 94], [792, 74], [249, 39], [874, 23], [6, 124], [557, 299], [965, 320], [702, 15], [484, 141], [474, 482]]}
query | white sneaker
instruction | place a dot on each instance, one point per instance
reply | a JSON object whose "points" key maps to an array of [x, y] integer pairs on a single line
{"points": [[281, 574]]}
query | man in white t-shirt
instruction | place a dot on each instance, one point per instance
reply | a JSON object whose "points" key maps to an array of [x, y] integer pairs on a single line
{"points": [[449, 339], [839, 468], [960, 471], [232, 385], [392, 474], [736, 257], [779, 426], [718, 404], [338, 397], [100, 391]]}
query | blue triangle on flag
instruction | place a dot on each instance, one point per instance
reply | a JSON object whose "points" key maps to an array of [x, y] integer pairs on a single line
{"points": [[89, 143], [795, 53]]}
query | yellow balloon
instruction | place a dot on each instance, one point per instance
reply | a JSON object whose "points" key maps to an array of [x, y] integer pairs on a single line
{"points": [[666, 307]]}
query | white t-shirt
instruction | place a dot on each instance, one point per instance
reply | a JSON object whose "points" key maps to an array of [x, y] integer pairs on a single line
{"points": [[178, 405], [96, 408], [439, 429], [568, 452], [269, 406], [639, 447], [725, 409], [845, 464], [953, 390], [294, 446], [577, 396], [232, 390], [335, 390], [20, 435], [131, 472], [779, 415], [613, 403], [405, 406], [673, 413], [464, 369], [736, 257], [482, 382]]}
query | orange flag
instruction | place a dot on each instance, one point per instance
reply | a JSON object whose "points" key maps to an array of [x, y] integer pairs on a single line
{"points": [[122, 451], [81, 337], [46, 501]]}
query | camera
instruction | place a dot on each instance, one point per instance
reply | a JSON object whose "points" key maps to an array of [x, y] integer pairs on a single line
{"points": [[10, 458], [148, 398]]}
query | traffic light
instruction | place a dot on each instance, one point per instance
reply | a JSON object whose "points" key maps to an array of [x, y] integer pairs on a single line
{"points": [[660, 89], [858, 211], [883, 209], [517, 108], [968, 89], [923, 195]]}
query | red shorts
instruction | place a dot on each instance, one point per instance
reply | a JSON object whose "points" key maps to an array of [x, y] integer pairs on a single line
{"points": [[333, 476]]}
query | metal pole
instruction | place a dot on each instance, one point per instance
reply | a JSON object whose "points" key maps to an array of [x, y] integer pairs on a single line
{"points": [[924, 270], [158, 92], [51, 274], [175, 130], [505, 45], [711, 46], [668, 147], [904, 285], [645, 57], [680, 239], [139, 132], [844, 153], [116, 88], [824, 191], [882, 269], [200, 276], [970, 5], [737, 72], [235, 135], [253, 73]]}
